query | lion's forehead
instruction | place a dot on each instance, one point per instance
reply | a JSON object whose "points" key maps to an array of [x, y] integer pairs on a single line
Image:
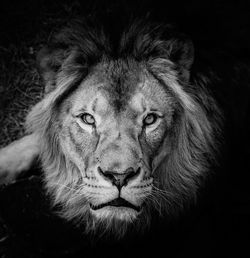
{"points": [[93, 98], [105, 97], [150, 95]]}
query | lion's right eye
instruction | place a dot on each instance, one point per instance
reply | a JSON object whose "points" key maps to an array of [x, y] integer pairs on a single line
{"points": [[88, 119], [150, 119]]}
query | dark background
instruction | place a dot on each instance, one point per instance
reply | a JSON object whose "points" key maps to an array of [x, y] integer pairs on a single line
{"points": [[219, 226], [214, 23]]}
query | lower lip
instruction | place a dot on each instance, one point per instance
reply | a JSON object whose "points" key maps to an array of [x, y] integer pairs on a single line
{"points": [[115, 207]]}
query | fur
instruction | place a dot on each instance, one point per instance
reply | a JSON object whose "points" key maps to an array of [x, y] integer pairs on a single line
{"points": [[186, 154]]}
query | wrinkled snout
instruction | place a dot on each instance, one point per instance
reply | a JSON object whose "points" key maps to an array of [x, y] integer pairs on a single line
{"points": [[119, 159], [120, 163], [120, 179]]}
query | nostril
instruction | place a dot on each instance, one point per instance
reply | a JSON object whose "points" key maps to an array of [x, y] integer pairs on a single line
{"points": [[131, 175], [110, 175], [119, 179], [107, 174]]}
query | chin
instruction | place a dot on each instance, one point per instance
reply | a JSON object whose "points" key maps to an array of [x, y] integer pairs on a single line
{"points": [[115, 221], [110, 213]]}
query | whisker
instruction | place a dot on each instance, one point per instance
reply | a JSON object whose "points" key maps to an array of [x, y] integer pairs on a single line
{"points": [[87, 196], [164, 196], [156, 203], [161, 190], [65, 186]]}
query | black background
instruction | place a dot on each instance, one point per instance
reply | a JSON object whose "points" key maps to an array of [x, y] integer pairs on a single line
{"points": [[219, 226], [212, 23]]}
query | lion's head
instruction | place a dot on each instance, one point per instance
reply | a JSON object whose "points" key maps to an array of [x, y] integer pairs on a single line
{"points": [[124, 127]]}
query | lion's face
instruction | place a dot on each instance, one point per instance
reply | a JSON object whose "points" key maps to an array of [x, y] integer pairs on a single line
{"points": [[124, 128], [112, 140]]}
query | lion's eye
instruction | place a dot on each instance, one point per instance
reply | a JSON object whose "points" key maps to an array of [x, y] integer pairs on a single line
{"points": [[150, 119], [88, 119]]}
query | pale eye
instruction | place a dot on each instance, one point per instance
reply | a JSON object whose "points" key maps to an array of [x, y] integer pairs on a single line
{"points": [[88, 119], [150, 119]]}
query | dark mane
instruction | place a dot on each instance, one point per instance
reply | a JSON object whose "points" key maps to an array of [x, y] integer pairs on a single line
{"points": [[141, 40]]}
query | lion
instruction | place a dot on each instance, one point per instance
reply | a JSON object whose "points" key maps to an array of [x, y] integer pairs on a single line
{"points": [[125, 126]]}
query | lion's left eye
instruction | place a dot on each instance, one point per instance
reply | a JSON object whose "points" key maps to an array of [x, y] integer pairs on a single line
{"points": [[88, 119], [150, 119]]}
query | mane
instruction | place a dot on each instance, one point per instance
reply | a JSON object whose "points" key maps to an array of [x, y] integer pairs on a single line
{"points": [[189, 149]]}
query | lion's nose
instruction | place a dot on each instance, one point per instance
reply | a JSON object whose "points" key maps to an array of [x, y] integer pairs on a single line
{"points": [[119, 179]]}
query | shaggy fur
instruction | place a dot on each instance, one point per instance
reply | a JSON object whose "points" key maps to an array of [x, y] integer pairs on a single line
{"points": [[185, 156]]}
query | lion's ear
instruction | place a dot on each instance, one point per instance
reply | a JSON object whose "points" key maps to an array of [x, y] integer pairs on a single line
{"points": [[181, 52], [49, 61]]}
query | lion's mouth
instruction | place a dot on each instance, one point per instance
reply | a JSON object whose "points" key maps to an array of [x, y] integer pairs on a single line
{"points": [[118, 202]]}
